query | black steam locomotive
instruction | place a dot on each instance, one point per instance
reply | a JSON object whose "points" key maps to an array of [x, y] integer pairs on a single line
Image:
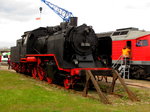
{"points": [[62, 53]]}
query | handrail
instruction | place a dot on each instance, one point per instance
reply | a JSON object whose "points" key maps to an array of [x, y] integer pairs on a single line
{"points": [[117, 62]]}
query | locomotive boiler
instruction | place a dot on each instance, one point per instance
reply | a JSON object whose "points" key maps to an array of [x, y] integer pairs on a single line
{"points": [[62, 53]]}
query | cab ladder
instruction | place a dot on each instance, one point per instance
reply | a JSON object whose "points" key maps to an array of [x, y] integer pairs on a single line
{"points": [[123, 67]]}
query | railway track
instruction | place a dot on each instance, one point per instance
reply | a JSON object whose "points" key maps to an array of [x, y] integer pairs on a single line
{"points": [[139, 85], [135, 83]]}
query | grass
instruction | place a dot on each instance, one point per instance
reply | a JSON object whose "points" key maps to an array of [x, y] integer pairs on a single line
{"points": [[23, 94]]}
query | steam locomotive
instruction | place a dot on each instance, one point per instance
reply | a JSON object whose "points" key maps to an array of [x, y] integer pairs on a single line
{"points": [[62, 53]]}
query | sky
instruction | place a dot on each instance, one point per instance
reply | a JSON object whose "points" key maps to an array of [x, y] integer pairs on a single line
{"points": [[18, 16]]}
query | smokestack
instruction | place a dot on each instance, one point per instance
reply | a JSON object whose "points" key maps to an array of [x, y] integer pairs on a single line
{"points": [[73, 21]]}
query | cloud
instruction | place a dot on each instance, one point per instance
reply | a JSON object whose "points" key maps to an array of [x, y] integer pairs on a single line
{"points": [[147, 5], [6, 44], [134, 4], [17, 10]]}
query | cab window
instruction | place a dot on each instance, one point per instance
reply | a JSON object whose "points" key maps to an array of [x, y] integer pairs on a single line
{"points": [[141, 43], [120, 33], [5, 56]]}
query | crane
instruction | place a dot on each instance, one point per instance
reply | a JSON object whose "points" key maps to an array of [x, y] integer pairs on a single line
{"points": [[64, 14]]}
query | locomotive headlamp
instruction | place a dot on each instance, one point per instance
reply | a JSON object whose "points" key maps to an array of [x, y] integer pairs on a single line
{"points": [[85, 44], [86, 31], [75, 61]]}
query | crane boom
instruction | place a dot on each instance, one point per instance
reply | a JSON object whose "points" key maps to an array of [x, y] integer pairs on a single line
{"points": [[64, 14]]}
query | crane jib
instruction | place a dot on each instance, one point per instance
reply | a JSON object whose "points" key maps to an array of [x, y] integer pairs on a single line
{"points": [[64, 14]]}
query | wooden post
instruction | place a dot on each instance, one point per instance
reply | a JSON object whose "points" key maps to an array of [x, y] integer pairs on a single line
{"points": [[85, 91], [130, 93], [102, 97], [115, 77]]}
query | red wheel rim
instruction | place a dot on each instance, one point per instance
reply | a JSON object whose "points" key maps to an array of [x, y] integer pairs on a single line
{"points": [[41, 73], [49, 80], [34, 73], [67, 83]]}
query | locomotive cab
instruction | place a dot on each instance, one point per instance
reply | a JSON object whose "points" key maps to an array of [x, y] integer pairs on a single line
{"points": [[105, 50]]}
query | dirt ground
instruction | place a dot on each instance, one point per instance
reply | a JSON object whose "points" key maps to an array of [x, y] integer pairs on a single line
{"points": [[134, 82], [2, 67], [129, 82]]}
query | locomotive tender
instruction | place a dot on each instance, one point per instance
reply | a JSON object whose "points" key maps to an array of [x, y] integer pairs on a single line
{"points": [[139, 42], [62, 53]]}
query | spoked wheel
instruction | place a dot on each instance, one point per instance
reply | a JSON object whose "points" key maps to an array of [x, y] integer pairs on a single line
{"points": [[23, 68], [67, 83], [18, 68], [34, 73], [49, 80], [41, 73]]}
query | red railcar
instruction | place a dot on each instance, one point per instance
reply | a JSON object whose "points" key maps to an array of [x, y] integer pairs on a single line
{"points": [[0, 58], [139, 42]]}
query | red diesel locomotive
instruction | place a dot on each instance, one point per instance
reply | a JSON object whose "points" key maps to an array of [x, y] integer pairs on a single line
{"points": [[139, 42]]}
